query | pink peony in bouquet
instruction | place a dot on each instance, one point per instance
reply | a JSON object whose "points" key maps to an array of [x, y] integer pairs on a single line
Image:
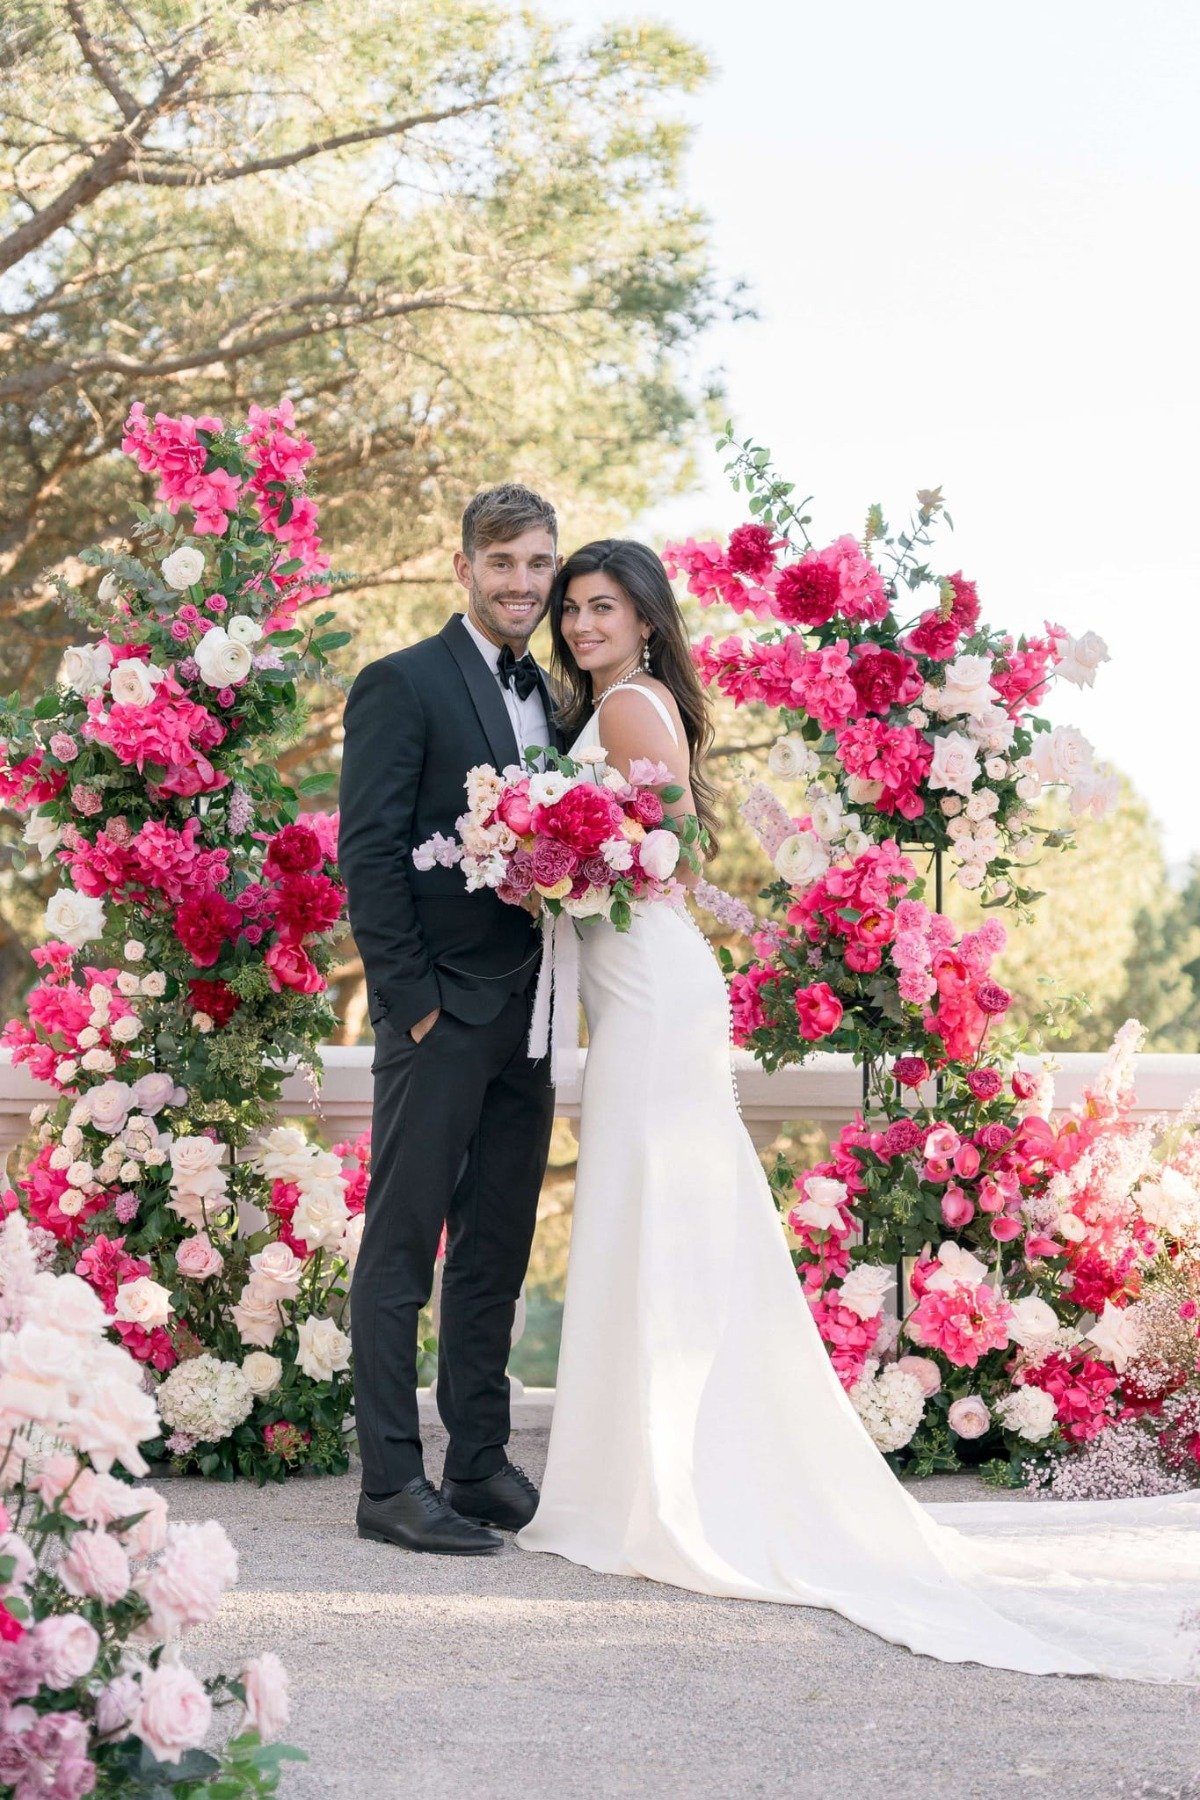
{"points": [[578, 838]]}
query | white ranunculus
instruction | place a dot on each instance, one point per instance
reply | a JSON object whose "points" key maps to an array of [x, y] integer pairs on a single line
{"points": [[1117, 1334], [856, 843], [132, 682], [821, 1203], [1081, 658], [85, 668], [262, 1372], [828, 817], [955, 763], [144, 1302], [323, 1350], [864, 1288], [76, 919], [42, 834], [1063, 754], [791, 759], [243, 630], [546, 788], [1071, 1227], [966, 688], [801, 859], [658, 854], [862, 792], [1034, 1322], [221, 660], [183, 568]]}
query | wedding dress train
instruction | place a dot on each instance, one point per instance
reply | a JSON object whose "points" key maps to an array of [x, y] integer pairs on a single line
{"points": [[700, 1435]]}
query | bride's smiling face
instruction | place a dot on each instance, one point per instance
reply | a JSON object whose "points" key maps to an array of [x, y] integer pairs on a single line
{"points": [[601, 628]]}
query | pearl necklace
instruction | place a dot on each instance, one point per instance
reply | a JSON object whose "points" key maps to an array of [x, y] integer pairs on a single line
{"points": [[621, 681]]}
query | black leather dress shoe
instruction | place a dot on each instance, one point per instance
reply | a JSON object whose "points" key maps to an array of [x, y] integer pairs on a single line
{"points": [[507, 1499], [417, 1518]]}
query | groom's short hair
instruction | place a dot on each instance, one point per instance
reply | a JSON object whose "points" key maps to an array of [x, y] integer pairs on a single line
{"points": [[497, 515]]}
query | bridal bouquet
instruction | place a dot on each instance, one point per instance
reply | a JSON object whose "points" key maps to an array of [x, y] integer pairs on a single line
{"points": [[580, 836]]}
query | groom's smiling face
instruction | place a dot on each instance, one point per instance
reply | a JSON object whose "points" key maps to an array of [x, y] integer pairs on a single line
{"points": [[509, 585]]}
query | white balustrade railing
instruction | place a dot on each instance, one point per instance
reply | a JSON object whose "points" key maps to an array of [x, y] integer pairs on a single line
{"points": [[826, 1090]]}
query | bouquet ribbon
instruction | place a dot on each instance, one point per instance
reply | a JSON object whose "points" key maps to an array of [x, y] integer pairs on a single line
{"points": [[554, 1026]]}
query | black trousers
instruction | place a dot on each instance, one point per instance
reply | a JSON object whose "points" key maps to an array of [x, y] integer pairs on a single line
{"points": [[460, 1133]]}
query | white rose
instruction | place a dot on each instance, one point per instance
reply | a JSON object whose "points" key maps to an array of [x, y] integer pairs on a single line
{"points": [[132, 682], [128, 984], [134, 950], [243, 630], [66, 1070], [352, 1238], [791, 759], [957, 1266], [85, 668], [1117, 1334], [76, 919], [79, 1174], [202, 1022], [995, 768], [970, 875], [1081, 658], [1094, 793], [100, 1062], [183, 568], [955, 763], [1029, 1411], [614, 781], [128, 1171], [277, 1271], [123, 1031], [589, 753], [982, 804], [658, 854], [801, 859], [1170, 1203], [87, 1037], [42, 834], [864, 1288], [593, 904], [320, 1215], [71, 1202], [545, 789], [154, 985], [820, 1207], [967, 687], [262, 1372], [221, 660], [283, 1154], [323, 1349], [951, 806], [992, 729], [917, 716], [1033, 1322], [1063, 754], [194, 1155], [144, 1302]]}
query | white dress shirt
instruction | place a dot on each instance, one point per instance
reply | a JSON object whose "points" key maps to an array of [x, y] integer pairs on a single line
{"points": [[528, 716]]}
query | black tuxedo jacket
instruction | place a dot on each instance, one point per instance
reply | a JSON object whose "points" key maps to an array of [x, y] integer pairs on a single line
{"points": [[416, 721]]}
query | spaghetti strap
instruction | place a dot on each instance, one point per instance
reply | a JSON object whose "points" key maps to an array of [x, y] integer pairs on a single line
{"points": [[659, 705]]}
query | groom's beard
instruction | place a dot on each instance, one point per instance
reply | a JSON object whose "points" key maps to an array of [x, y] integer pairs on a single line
{"points": [[490, 614]]}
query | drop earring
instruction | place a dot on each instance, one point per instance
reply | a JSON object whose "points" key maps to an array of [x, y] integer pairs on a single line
{"points": [[646, 655]]}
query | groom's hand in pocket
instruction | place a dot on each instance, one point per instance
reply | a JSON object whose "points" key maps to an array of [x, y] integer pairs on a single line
{"points": [[424, 1026]]}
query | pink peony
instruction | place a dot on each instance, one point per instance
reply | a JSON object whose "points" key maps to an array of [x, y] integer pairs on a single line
{"points": [[184, 1587]]}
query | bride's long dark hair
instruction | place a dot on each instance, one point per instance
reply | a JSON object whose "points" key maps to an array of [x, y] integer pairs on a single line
{"points": [[639, 573]]}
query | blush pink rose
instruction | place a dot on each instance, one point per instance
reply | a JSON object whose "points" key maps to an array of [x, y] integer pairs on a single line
{"points": [[198, 1258], [96, 1567], [184, 1587], [969, 1417], [174, 1712], [69, 1646], [266, 1683]]}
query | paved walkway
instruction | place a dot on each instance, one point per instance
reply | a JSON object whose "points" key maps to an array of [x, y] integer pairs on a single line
{"points": [[521, 1677]]}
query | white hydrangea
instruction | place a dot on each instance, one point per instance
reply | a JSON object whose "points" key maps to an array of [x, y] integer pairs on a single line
{"points": [[1029, 1411], [889, 1403], [205, 1397]]}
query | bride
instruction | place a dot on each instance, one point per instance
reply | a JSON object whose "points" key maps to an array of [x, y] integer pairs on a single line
{"points": [[700, 1434]]}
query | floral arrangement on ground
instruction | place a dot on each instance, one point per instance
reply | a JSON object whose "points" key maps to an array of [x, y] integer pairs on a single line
{"points": [[188, 953]]}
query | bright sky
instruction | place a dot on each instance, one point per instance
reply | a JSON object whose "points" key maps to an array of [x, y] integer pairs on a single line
{"points": [[971, 236]]}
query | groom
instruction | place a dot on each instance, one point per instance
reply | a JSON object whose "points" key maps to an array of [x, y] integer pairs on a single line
{"points": [[461, 1124]]}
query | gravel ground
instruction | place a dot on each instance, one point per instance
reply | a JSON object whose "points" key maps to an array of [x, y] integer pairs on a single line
{"points": [[525, 1676]]}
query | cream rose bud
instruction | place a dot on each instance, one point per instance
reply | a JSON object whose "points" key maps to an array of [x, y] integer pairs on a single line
{"points": [[87, 1037], [128, 1171], [262, 1372], [243, 629], [123, 1031], [134, 950], [79, 1174], [143, 1302], [995, 768], [659, 854], [801, 859], [66, 1070], [85, 668], [76, 919], [202, 1022], [132, 682], [917, 717], [99, 1062], [323, 1349], [951, 806], [791, 759], [154, 985], [222, 661], [60, 1157], [183, 568]]}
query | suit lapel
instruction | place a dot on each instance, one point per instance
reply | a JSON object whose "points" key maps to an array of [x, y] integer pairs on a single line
{"points": [[485, 693]]}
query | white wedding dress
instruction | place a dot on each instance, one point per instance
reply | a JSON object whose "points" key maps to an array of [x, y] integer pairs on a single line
{"points": [[700, 1435]]}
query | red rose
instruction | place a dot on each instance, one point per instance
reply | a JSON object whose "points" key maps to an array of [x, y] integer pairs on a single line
{"points": [[883, 679], [292, 851], [216, 998], [584, 818], [807, 593], [985, 1084], [910, 1071], [752, 551], [289, 966], [203, 924], [308, 903], [818, 1010]]}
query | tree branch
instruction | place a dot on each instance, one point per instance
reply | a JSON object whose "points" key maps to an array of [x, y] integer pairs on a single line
{"points": [[101, 68]]}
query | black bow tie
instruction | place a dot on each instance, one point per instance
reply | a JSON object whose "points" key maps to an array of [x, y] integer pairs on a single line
{"points": [[518, 672]]}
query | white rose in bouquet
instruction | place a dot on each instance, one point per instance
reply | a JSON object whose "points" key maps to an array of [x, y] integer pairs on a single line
{"points": [[801, 859], [76, 919], [85, 668], [277, 1271], [243, 629], [257, 1316], [1094, 793], [820, 1207], [194, 1155], [132, 682], [966, 689], [791, 759], [320, 1215], [352, 1238], [284, 1154], [323, 1349], [590, 905], [864, 1288], [1117, 1334], [183, 568], [1081, 658], [992, 729], [262, 1372], [41, 834], [1061, 755], [221, 660], [955, 763], [143, 1302]]}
